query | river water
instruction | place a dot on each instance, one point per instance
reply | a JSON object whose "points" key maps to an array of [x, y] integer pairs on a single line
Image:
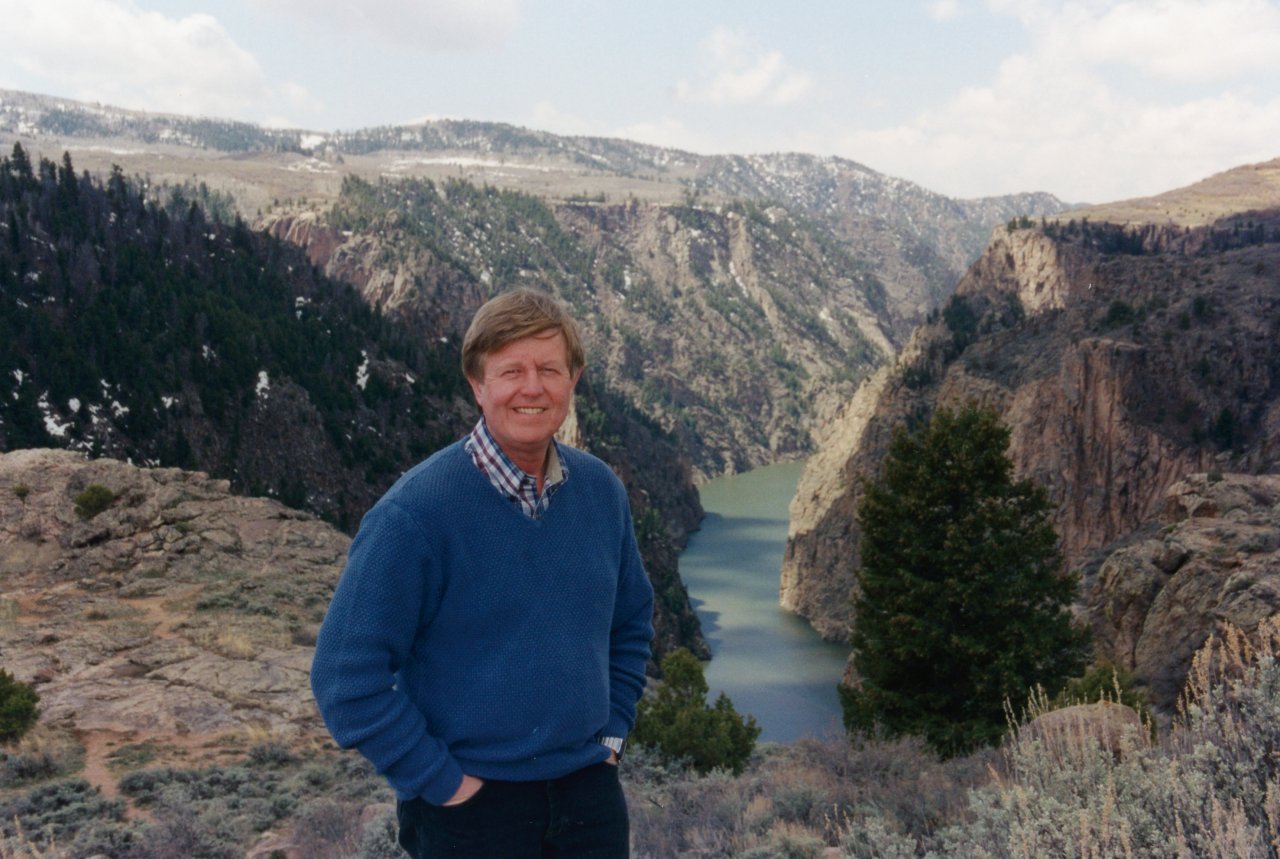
{"points": [[770, 662]]}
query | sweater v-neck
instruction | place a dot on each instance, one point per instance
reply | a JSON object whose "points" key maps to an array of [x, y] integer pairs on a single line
{"points": [[512, 507]]}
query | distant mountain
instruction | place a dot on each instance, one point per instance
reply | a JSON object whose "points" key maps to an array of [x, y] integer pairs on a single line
{"points": [[918, 242], [735, 299]]}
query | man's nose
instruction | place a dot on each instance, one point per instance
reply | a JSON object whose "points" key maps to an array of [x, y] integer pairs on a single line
{"points": [[530, 382]]}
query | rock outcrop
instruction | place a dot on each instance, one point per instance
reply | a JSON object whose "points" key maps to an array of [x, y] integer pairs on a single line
{"points": [[1070, 735], [1121, 359], [1213, 558], [178, 611]]}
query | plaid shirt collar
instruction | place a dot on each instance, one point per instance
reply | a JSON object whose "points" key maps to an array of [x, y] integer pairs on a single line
{"points": [[512, 482]]}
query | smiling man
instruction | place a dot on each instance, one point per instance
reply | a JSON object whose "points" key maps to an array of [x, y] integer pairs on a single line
{"points": [[486, 645]]}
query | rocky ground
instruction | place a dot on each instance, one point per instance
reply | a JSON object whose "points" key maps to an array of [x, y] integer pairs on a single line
{"points": [[179, 617]]}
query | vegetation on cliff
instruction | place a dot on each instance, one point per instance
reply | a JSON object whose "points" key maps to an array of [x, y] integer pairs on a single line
{"points": [[961, 604], [1206, 787]]}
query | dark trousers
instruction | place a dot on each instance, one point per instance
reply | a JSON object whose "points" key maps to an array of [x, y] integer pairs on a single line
{"points": [[579, 816]]}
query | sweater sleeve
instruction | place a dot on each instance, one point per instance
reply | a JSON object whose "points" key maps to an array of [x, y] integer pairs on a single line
{"points": [[389, 587], [630, 636]]}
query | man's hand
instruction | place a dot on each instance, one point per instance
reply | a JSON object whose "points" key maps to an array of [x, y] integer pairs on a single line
{"points": [[466, 790], [613, 758]]}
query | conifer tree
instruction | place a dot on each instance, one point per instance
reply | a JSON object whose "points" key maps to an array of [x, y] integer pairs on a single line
{"points": [[962, 602], [677, 721]]}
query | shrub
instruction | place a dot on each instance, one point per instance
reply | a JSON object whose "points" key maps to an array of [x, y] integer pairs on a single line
{"points": [[18, 707], [57, 811], [1212, 788], [93, 500], [677, 721]]}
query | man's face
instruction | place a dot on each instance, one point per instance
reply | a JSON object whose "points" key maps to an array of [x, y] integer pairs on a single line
{"points": [[525, 393]]}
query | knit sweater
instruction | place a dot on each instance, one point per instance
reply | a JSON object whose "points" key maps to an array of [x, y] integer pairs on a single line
{"points": [[465, 637]]}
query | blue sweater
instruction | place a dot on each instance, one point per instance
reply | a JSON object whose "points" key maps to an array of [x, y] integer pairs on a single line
{"points": [[465, 637]]}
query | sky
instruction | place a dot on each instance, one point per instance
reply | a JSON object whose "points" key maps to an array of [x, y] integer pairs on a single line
{"points": [[1091, 100]]}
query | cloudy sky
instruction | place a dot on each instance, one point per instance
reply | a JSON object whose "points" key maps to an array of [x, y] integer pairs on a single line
{"points": [[1092, 100]]}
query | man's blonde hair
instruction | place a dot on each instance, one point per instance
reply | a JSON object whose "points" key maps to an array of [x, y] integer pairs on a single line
{"points": [[513, 316]]}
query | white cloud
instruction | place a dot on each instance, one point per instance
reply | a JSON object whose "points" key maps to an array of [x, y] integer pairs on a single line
{"points": [[430, 25], [736, 71], [944, 10], [1186, 40], [1057, 118], [112, 51]]}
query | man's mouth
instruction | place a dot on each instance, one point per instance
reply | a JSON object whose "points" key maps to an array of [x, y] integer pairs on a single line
{"points": [[529, 410]]}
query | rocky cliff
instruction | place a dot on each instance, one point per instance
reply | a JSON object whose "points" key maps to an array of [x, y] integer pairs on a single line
{"points": [[173, 339], [737, 328], [1122, 360], [1211, 558]]}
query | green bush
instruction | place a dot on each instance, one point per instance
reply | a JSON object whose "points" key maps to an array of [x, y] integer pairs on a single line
{"points": [[93, 500], [677, 721], [18, 707]]}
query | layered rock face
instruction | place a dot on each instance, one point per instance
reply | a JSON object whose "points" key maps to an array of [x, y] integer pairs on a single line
{"points": [[1121, 359], [738, 329]]}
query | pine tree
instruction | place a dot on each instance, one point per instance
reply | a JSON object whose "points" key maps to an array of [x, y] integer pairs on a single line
{"points": [[963, 603], [677, 722]]}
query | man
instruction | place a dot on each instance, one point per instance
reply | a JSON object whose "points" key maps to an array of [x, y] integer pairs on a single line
{"points": [[486, 644]]}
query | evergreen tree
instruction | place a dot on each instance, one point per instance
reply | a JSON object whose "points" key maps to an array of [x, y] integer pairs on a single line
{"points": [[677, 722], [18, 707], [962, 603]]}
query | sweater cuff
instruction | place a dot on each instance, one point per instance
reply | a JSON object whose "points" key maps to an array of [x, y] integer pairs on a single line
{"points": [[441, 789]]}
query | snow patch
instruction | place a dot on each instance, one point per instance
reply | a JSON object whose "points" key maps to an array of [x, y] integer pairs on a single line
{"points": [[362, 372], [51, 424], [263, 388]]}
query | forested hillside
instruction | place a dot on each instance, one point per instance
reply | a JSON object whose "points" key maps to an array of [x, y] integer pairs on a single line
{"points": [[145, 331]]}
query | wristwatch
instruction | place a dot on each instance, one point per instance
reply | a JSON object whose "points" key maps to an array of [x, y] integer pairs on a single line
{"points": [[617, 744]]}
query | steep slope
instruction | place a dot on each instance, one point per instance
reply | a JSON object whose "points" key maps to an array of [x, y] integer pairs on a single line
{"points": [[1121, 358], [734, 327]]}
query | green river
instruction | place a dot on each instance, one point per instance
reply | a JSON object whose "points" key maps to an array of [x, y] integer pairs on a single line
{"points": [[771, 663]]}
